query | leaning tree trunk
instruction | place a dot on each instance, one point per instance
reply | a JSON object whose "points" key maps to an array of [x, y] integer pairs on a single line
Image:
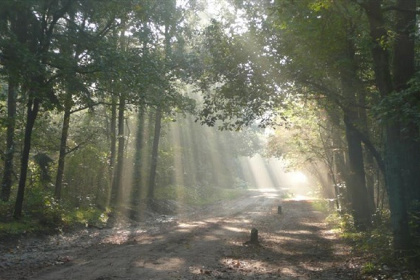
{"points": [[32, 112], [6, 184]]}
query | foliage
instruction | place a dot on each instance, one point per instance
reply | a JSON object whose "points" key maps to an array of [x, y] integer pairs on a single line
{"points": [[237, 82], [375, 244], [402, 106], [44, 215], [87, 177]]}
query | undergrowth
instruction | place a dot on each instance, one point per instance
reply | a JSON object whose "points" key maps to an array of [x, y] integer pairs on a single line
{"points": [[45, 215], [374, 246]]}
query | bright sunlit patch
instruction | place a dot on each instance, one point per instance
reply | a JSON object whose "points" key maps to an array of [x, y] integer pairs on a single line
{"points": [[300, 197], [190, 225], [256, 171], [298, 177], [234, 229]]}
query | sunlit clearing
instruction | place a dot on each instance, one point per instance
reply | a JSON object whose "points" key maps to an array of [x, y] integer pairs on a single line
{"points": [[265, 174]]}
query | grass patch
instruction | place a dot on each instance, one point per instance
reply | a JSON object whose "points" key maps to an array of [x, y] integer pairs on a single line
{"points": [[17, 228]]}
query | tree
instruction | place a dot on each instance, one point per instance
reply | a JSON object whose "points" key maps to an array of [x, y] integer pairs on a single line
{"points": [[39, 66], [37, 81], [391, 81]]}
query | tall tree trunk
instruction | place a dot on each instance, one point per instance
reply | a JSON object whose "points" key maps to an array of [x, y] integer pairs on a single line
{"points": [[71, 53], [138, 157], [339, 165], [369, 160], [393, 176], [356, 183], [155, 148], [404, 70], [32, 112], [6, 184], [117, 179], [63, 146], [113, 135]]}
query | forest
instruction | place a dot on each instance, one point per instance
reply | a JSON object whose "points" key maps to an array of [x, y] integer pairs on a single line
{"points": [[116, 110]]}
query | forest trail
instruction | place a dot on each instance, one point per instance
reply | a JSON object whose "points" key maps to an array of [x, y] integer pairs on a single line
{"points": [[208, 244]]}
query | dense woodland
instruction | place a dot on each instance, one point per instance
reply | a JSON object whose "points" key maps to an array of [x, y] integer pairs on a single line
{"points": [[108, 106]]}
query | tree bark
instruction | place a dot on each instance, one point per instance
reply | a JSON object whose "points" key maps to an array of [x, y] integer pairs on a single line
{"points": [[113, 135], [116, 184], [393, 176], [155, 155], [63, 146], [32, 112], [137, 164], [6, 184], [356, 181], [369, 157], [404, 70], [356, 184]]}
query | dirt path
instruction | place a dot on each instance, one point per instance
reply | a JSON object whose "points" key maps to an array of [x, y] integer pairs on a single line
{"points": [[207, 245]]}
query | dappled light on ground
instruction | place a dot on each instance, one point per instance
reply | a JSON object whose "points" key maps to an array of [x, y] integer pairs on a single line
{"points": [[212, 244]]}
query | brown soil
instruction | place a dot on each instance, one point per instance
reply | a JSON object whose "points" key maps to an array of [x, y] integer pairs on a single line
{"points": [[207, 244]]}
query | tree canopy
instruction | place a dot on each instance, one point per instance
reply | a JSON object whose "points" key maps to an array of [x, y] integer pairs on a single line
{"points": [[90, 92]]}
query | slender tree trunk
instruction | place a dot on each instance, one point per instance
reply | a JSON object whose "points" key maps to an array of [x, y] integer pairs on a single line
{"points": [[117, 180], [138, 157], [63, 145], [113, 135], [6, 184], [32, 112], [154, 160], [340, 168]]}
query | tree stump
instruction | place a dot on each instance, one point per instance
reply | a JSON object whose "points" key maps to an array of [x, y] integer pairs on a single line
{"points": [[279, 211], [254, 236]]}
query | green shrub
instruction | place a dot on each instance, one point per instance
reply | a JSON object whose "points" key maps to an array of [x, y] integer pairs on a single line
{"points": [[369, 268], [85, 217]]}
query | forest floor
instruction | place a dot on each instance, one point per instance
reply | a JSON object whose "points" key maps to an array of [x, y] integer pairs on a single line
{"points": [[207, 243]]}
